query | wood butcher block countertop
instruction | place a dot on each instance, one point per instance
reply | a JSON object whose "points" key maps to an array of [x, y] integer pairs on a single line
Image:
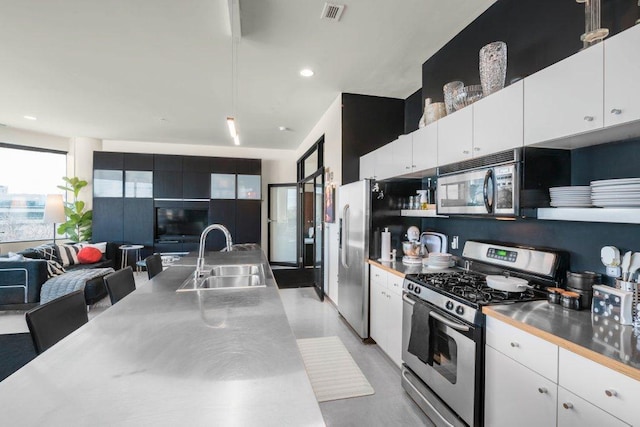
{"points": [[607, 343]]}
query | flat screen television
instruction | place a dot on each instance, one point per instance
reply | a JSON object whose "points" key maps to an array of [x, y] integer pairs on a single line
{"points": [[173, 222]]}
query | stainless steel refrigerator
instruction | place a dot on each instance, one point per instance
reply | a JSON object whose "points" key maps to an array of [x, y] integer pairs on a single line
{"points": [[353, 272]]}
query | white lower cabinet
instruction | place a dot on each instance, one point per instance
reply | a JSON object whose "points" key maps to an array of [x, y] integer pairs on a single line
{"points": [[521, 387], [385, 312], [515, 395], [576, 412]]}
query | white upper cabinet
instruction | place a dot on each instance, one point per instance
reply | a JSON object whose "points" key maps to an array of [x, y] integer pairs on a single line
{"points": [[368, 165], [425, 147], [622, 77], [566, 98], [498, 121], [384, 162], [455, 137], [402, 155]]}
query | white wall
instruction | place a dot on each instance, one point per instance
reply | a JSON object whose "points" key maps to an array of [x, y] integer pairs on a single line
{"points": [[329, 125], [278, 166]]}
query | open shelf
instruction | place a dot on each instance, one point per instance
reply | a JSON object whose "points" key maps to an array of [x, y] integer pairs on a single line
{"points": [[616, 215], [428, 213]]}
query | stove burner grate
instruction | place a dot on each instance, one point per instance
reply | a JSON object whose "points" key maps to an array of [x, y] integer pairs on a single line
{"points": [[471, 287]]}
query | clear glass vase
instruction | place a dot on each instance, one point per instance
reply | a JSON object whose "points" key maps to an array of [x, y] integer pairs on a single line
{"points": [[449, 91], [493, 67]]}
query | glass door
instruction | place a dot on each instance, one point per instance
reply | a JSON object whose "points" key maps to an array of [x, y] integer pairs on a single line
{"points": [[312, 228], [283, 224]]}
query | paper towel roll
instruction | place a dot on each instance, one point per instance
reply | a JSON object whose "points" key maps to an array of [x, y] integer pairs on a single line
{"points": [[385, 251]]}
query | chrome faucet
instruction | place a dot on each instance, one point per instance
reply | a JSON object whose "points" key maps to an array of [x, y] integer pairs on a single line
{"points": [[203, 238]]}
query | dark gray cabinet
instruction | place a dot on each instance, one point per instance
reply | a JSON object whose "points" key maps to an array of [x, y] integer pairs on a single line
{"points": [[180, 183]]}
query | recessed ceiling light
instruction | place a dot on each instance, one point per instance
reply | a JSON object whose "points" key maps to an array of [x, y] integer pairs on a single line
{"points": [[30, 118], [283, 128], [306, 72]]}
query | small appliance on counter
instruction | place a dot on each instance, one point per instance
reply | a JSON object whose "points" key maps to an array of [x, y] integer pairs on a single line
{"points": [[412, 249]]}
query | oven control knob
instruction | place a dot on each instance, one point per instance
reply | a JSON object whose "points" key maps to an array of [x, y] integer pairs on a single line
{"points": [[460, 310], [449, 305], [417, 290], [410, 286]]}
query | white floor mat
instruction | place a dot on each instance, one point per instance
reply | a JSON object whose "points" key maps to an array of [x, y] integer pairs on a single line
{"points": [[332, 371]]}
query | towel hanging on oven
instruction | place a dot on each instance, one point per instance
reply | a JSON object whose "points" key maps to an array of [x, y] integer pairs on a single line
{"points": [[422, 333]]}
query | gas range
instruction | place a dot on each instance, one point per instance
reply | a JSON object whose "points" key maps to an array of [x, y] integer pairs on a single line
{"points": [[463, 292]]}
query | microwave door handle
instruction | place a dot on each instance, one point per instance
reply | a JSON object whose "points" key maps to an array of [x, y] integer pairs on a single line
{"points": [[485, 191], [345, 235]]}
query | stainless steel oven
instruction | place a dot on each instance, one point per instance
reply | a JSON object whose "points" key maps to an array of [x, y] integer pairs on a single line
{"points": [[454, 374], [442, 324]]}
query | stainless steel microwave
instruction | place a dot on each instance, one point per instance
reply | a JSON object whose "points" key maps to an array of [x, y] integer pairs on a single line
{"points": [[509, 183]]}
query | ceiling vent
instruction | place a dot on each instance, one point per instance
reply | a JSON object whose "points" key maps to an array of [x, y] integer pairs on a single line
{"points": [[332, 12]]}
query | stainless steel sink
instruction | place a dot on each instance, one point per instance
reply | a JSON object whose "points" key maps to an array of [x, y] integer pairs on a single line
{"points": [[235, 270], [218, 282], [232, 276]]}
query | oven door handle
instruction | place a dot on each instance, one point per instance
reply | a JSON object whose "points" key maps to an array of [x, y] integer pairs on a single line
{"points": [[450, 323], [441, 318]]}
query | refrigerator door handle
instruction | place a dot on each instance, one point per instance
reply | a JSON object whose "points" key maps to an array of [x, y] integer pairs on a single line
{"points": [[345, 235]]}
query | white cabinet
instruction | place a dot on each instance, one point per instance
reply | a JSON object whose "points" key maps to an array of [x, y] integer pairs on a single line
{"points": [[540, 382], [605, 388], [576, 412], [385, 319], [368, 165], [621, 77], [384, 162], [455, 137], [566, 98], [498, 121], [402, 154], [425, 147], [536, 353], [515, 395]]}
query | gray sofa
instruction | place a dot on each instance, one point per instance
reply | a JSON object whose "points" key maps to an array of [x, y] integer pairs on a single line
{"points": [[33, 271]]}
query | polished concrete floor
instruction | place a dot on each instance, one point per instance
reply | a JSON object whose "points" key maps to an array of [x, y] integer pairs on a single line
{"points": [[390, 405]]}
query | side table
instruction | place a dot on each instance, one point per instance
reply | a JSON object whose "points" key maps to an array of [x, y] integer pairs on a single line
{"points": [[126, 249]]}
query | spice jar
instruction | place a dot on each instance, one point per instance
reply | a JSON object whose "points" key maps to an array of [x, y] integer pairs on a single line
{"points": [[571, 300], [554, 296]]}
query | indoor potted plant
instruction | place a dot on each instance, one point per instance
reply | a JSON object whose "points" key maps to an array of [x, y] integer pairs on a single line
{"points": [[78, 224]]}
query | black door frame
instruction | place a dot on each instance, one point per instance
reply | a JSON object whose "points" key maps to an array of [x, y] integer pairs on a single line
{"points": [[318, 149]]}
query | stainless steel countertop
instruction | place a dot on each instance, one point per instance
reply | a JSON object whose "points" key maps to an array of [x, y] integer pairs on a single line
{"points": [[217, 357], [578, 331]]}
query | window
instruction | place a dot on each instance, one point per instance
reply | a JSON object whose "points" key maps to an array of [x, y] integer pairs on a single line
{"points": [[27, 175]]}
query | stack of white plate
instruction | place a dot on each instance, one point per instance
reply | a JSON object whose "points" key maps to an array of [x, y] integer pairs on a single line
{"points": [[616, 193], [571, 197], [438, 260]]}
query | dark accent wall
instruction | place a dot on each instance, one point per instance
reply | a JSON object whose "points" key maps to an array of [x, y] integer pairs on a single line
{"points": [[368, 122], [413, 106], [537, 33]]}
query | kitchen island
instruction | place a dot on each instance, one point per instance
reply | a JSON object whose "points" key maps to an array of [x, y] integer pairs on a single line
{"points": [[224, 357]]}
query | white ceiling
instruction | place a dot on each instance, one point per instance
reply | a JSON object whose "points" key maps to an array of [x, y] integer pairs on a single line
{"points": [[160, 70]]}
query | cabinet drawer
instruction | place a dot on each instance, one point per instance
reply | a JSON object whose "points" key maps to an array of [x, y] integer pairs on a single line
{"points": [[394, 283], [610, 390], [378, 275], [533, 352], [576, 412]]}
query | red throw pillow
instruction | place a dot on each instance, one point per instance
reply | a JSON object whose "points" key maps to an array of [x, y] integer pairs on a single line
{"points": [[89, 255]]}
